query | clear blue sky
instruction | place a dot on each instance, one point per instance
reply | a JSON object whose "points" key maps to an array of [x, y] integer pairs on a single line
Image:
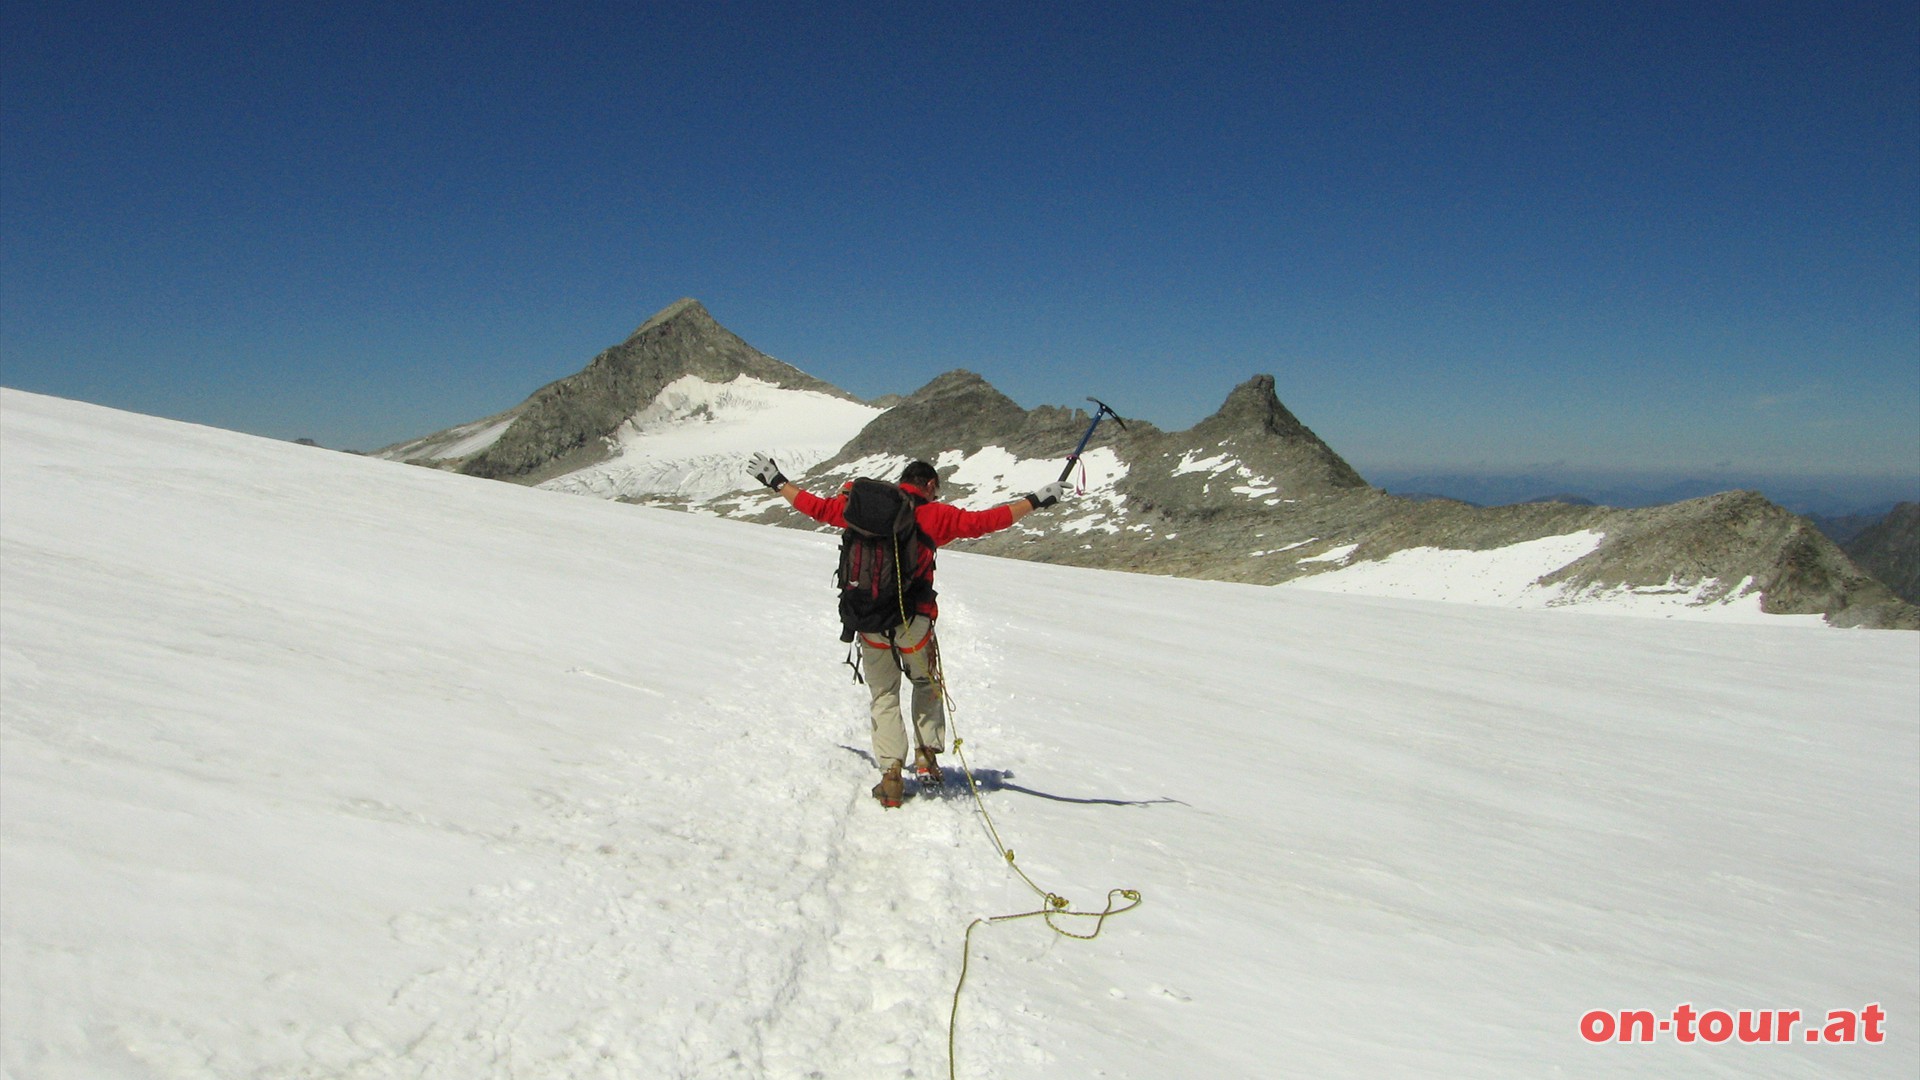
{"points": [[1489, 235]]}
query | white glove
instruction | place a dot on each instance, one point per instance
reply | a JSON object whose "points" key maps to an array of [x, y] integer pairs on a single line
{"points": [[1048, 494], [765, 471]]}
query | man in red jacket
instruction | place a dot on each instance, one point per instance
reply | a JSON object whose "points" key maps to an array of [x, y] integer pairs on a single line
{"points": [[911, 646]]}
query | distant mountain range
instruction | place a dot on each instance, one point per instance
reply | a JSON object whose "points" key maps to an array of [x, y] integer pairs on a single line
{"points": [[1820, 498], [669, 416]]}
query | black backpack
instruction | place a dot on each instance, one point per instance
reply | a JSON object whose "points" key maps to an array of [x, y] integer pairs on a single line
{"points": [[879, 554]]}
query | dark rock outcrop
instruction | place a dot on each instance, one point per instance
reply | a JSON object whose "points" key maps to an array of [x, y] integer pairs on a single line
{"points": [[1275, 460], [1890, 551], [1736, 538], [958, 410]]}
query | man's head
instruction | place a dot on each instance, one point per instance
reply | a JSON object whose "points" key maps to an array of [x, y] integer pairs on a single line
{"points": [[921, 475]]}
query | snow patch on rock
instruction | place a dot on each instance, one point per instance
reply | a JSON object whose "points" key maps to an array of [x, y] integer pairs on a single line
{"points": [[1512, 577], [1333, 555], [1505, 576], [694, 439]]}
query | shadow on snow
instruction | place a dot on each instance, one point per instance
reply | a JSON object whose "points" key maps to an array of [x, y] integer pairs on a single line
{"points": [[954, 786]]}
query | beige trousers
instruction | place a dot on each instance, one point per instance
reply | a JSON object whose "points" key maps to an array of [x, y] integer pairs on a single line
{"points": [[920, 652]]}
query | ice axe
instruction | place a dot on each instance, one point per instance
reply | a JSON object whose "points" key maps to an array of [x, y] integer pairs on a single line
{"points": [[1104, 410]]}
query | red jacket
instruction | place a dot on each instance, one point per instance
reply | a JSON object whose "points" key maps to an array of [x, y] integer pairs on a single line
{"points": [[942, 523]]}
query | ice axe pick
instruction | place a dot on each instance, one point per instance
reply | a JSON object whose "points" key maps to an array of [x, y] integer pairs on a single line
{"points": [[1103, 410]]}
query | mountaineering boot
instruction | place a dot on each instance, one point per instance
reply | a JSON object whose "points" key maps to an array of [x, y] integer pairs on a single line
{"points": [[891, 789], [926, 767]]}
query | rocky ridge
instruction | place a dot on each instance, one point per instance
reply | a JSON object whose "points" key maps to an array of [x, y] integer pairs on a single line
{"points": [[1249, 494]]}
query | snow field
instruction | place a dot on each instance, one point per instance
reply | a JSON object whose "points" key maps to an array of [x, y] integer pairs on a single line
{"points": [[1510, 577], [317, 766], [694, 439], [678, 872]]}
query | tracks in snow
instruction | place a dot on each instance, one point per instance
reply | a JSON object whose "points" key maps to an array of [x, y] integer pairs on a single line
{"points": [[762, 919]]}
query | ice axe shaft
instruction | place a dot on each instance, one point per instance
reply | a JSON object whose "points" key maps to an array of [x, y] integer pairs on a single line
{"points": [[1103, 410]]}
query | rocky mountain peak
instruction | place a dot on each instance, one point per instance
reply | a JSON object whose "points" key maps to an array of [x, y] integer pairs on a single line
{"points": [[1251, 407], [1271, 439], [1890, 551], [687, 307], [957, 383], [957, 410], [565, 424]]}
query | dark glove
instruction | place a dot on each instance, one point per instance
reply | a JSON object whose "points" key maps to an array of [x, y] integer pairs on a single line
{"points": [[1048, 495], [765, 471]]}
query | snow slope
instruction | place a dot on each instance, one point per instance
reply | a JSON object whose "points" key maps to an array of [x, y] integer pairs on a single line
{"points": [[463, 441], [314, 766], [693, 440], [1512, 577]]}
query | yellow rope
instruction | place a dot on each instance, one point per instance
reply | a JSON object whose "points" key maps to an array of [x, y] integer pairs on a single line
{"points": [[1054, 905], [900, 581], [1047, 913]]}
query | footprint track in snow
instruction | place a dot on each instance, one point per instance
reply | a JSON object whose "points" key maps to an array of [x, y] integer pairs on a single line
{"points": [[663, 941]]}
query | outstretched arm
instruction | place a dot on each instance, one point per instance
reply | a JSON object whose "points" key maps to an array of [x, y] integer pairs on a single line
{"points": [[1046, 496], [768, 473], [946, 522]]}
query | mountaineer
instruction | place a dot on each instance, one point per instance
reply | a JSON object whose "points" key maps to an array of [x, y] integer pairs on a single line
{"points": [[887, 596]]}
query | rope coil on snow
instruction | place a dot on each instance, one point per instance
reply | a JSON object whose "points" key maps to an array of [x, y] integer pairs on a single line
{"points": [[1054, 905]]}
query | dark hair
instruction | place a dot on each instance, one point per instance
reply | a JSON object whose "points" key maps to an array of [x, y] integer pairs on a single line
{"points": [[918, 474]]}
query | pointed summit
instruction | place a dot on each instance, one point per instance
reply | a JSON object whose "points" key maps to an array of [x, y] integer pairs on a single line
{"points": [[1253, 408], [686, 305], [1250, 454], [1263, 430], [564, 425], [958, 383]]}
